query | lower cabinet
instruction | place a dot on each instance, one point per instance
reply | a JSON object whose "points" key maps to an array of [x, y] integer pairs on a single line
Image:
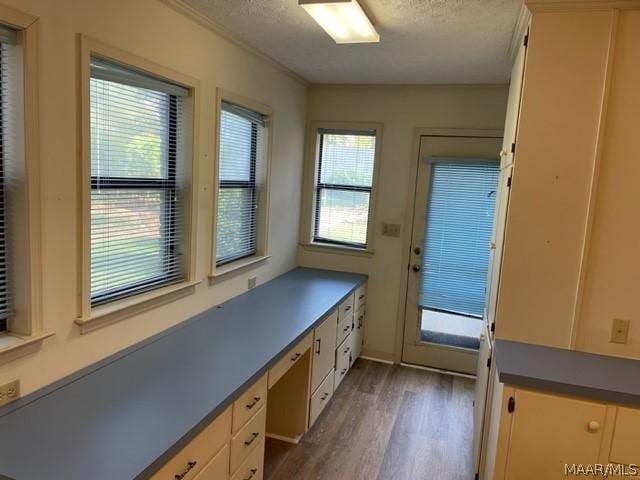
{"points": [[546, 435], [321, 398], [232, 446], [357, 336], [343, 359]]}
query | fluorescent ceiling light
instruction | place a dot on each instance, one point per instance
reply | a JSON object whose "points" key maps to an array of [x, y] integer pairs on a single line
{"points": [[343, 20]]}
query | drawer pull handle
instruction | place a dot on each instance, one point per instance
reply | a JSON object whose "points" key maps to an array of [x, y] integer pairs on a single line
{"points": [[346, 350], [254, 435], [295, 357], [344, 370], [360, 318], [361, 296], [348, 327], [347, 308], [593, 426], [324, 397], [253, 403], [318, 347], [190, 465], [252, 474]]}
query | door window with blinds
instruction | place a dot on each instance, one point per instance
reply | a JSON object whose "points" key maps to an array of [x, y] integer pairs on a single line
{"points": [[241, 158], [137, 217], [458, 230], [344, 181], [11, 109]]}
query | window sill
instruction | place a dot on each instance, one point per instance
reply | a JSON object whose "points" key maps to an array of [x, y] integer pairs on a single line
{"points": [[237, 265], [13, 346], [339, 249], [114, 312]]}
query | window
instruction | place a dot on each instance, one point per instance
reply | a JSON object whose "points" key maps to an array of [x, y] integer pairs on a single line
{"points": [[344, 181], [137, 221], [241, 159], [458, 231], [10, 118]]}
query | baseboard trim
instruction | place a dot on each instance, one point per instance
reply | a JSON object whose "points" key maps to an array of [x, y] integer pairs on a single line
{"points": [[282, 438], [374, 359], [438, 370]]}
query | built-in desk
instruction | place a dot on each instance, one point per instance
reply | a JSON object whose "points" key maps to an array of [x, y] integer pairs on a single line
{"points": [[126, 416]]}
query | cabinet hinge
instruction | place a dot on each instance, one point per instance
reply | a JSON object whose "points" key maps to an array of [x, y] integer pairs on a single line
{"points": [[489, 362], [509, 182], [511, 406], [526, 40]]}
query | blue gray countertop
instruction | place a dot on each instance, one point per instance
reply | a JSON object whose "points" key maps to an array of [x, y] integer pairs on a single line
{"points": [[125, 416], [569, 372]]}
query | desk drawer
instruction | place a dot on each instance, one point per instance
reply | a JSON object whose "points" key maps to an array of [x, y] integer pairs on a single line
{"points": [[320, 399], [253, 467], [243, 442], [192, 458], [343, 360], [345, 326], [345, 308], [360, 297], [217, 468], [289, 360], [249, 403]]}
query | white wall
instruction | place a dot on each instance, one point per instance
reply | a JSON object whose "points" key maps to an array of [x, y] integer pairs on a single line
{"points": [[152, 30], [401, 109]]}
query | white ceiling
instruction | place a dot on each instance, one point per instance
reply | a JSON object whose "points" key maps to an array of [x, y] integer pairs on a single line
{"points": [[422, 41]]}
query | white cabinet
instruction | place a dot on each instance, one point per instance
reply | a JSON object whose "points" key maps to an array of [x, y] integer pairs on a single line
{"points": [[357, 336], [324, 346], [343, 360], [321, 397]]}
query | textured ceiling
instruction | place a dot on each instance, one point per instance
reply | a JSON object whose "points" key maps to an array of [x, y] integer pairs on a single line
{"points": [[422, 41]]}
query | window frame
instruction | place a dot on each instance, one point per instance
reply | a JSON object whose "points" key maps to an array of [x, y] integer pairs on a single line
{"points": [[262, 174], [313, 187], [91, 316], [25, 329]]}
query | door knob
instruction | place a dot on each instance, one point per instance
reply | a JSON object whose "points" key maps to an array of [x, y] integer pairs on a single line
{"points": [[415, 267]]}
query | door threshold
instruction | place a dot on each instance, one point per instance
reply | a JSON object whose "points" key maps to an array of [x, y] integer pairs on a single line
{"points": [[439, 370]]}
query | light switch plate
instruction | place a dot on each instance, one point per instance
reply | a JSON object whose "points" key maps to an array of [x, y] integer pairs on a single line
{"points": [[619, 331], [391, 229], [251, 282], [9, 392]]}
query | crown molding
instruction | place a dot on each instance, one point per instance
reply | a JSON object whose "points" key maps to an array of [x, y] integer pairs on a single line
{"points": [[536, 6], [187, 11]]}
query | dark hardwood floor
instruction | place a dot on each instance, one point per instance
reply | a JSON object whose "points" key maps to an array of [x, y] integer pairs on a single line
{"points": [[387, 423]]}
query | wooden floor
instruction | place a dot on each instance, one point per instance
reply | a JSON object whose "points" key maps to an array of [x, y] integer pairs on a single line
{"points": [[386, 423]]}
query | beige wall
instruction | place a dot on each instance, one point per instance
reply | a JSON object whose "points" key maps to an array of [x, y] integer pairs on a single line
{"points": [[401, 109], [572, 251], [612, 265], [149, 29]]}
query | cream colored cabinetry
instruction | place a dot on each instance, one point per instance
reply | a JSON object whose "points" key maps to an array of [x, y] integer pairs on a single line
{"points": [[343, 360], [357, 336], [543, 433], [324, 346], [321, 397], [234, 438]]}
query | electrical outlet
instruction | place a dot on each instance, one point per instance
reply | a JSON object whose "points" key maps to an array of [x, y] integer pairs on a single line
{"points": [[9, 392], [391, 229], [251, 282], [619, 331]]}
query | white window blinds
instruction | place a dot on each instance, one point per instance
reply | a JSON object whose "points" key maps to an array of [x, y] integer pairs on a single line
{"points": [[458, 230], [240, 151], [11, 110], [137, 224], [343, 188]]}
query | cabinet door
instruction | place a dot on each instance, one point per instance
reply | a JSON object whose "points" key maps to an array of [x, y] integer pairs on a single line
{"points": [[324, 348], [625, 448], [549, 431], [357, 335], [217, 468]]}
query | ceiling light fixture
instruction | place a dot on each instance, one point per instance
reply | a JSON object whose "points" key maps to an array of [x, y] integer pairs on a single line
{"points": [[343, 20]]}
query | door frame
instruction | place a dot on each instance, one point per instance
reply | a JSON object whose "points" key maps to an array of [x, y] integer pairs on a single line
{"points": [[409, 213]]}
